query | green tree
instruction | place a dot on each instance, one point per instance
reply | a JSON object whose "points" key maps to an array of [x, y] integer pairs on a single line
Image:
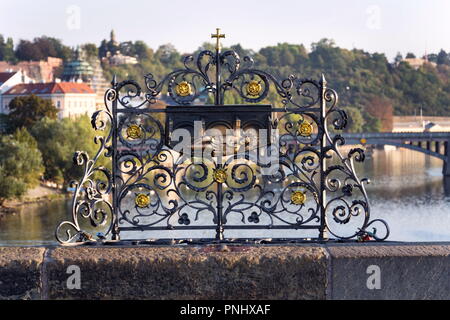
{"points": [[5, 124], [41, 48], [372, 124], [142, 51], [398, 58], [168, 55], [356, 122], [432, 57], [91, 50], [27, 51], [287, 58], [443, 58], [27, 110], [271, 55], [7, 50], [73, 135], [103, 49], [20, 164]]}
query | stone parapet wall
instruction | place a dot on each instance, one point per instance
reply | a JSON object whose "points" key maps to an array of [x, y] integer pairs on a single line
{"points": [[289, 272]]}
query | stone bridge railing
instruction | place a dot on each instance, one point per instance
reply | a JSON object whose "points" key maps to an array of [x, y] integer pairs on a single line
{"points": [[290, 272]]}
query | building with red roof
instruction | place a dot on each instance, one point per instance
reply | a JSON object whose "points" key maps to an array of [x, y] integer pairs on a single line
{"points": [[70, 98], [9, 80]]}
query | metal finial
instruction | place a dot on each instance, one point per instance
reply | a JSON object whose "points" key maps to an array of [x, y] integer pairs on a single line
{"points": [[323, 81]]}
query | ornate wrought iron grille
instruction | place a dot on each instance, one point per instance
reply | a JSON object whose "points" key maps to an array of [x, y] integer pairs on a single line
{"points": [[152, 188]]}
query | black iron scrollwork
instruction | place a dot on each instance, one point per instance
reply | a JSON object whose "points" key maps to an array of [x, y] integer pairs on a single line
{"points": [[151, 187], [92, 210]]}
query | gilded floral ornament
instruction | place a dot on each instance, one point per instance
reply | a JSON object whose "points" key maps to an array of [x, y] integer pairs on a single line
{"points": [[220, 175], [298, 198], [254, 88], [306, 129], [183, 89], [142, 200], [134, 132]]}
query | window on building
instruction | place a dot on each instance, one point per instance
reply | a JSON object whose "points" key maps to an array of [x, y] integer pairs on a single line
{"points": [[58, 104]]}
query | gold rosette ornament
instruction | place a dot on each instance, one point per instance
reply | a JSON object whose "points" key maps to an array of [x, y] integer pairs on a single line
{"points": [[183, 89], [134, 132], [220, 175], [142, 200], [298, 198], [306, 129], [254, 88]]}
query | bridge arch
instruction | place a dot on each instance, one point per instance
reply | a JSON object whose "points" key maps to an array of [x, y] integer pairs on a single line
{"points": [[400, 139]]}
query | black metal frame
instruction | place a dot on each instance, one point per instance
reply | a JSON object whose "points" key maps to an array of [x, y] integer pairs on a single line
{"points": [[145, 166]]}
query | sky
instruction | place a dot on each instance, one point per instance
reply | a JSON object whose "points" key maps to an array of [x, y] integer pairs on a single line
{"points": [[386, 26]]}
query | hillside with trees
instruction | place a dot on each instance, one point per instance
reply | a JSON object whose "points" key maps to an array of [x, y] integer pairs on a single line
{"points": [[362, 79], [371, 90]]}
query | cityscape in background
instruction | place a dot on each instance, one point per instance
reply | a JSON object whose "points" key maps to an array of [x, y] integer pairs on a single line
{"points": [[75, 79], [377, 94]]}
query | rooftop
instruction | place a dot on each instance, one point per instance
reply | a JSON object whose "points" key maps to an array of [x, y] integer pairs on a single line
{"points": [[5, 76], [49, 88]]}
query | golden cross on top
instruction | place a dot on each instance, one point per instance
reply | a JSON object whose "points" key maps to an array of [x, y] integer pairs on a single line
{"points": [[217, 36]]}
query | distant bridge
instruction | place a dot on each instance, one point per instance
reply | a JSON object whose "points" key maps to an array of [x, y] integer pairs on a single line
{"points": [[435, 144]]}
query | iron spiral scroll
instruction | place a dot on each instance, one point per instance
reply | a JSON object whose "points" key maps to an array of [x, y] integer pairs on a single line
{"points": [[152, 188]]}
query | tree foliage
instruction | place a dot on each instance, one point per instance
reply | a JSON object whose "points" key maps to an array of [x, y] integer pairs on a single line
{"points": [[20, 164], [7, 49], [356, 122], [58, 140], [357, 75], [41, 48], [91, 50], [27, 110], [381, 108]]}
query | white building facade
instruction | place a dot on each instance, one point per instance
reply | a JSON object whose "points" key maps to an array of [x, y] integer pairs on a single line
{"points": [[9, 80], [71, 99]]}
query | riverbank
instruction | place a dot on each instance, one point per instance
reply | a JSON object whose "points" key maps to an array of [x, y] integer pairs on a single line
{"points": [[39, 194]]}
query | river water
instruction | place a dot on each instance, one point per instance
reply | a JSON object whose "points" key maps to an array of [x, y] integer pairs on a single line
{"points": [[407, 190]]}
